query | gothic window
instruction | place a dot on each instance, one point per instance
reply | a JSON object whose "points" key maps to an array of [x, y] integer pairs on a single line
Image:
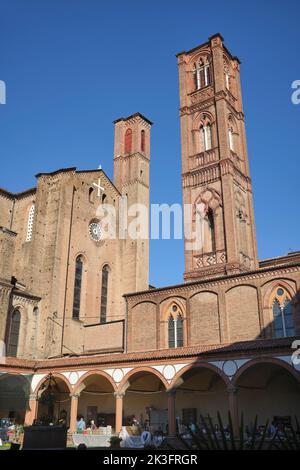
{"points": [[77, 287], [202, 74], [143, 141], [91, 195], [211, 231], [171, 332], [179, 328], [128, 141], [175, 331], [30, 222], [205, 137], [227, 76], [282, 315], [104, 291], [13, 340]]}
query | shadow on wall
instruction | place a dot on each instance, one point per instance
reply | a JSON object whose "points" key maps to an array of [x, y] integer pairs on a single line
{"points": [[259, 383], [14, 394]]}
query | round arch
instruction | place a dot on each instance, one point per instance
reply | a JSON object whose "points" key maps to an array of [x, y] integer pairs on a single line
{"points": [[264, 360], [205, 291], [145, 399], [199, 365], [56, 375], [268, 388], [14, 394], [99, 373], [144, 302], [138, 370]]}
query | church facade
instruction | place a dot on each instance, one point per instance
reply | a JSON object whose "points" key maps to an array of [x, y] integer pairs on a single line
{"points": [[76, 309]]}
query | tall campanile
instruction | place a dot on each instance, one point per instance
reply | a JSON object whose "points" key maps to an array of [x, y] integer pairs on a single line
{"points": [[215, 170]]}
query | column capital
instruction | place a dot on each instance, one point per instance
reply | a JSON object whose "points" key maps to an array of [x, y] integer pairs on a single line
{"points": [[232, 389], [74, 395], [33, 396], [171, 392], [119, 394]]}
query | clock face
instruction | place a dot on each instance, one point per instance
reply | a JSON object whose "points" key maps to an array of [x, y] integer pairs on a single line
{"points": [[95, 231]]}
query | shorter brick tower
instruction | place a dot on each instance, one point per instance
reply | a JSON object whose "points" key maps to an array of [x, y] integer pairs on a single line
{"points": [[131, 177]]}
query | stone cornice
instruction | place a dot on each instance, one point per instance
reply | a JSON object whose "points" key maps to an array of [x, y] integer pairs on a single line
{"points": [[212, 282], [132, 156], [12, 196]]}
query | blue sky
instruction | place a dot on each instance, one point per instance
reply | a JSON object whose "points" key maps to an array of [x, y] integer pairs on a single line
{"points": [[73, 66]]}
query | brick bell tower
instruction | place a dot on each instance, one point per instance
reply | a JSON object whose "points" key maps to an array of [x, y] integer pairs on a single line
{"points": [[215, 169], [131, 177]]}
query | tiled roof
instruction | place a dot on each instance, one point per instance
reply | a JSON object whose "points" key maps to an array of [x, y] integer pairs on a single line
{"points": [[203, 352]]}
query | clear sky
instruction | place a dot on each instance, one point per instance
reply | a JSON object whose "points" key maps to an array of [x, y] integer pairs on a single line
{"points": [[73, 66]]}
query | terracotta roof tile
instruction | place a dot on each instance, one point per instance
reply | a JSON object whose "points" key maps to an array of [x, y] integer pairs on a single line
{"points": [[206, 352]]}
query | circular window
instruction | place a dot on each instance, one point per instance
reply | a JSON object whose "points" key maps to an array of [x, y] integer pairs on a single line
{"points": [[95, 231], [174, 308], [280, 291]]}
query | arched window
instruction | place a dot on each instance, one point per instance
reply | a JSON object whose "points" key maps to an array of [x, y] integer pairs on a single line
{"points": [[30, 223], [175, 331], [128, 141], [179, 328], [171, 332], [202, 74], [14, 334], [143, 141], [283, 323], [104, 291], [227, 76], [211, 231], [91, 194], [77, 287], [205, 137]]}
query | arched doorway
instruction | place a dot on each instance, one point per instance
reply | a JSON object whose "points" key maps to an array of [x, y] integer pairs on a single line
{"points": [[53, 401], [200, 391], [96, 400], [145, 400], [14, 393], [270, 391]]}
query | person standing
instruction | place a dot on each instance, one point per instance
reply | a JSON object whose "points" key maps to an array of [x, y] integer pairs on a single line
{"points": [[81, 426]]}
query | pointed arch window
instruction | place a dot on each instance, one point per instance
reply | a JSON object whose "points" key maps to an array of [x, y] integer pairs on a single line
{"points": [[211, 230], [143, 141], [202, 75], [171, 332], [205, 137], [179, 331], [227, 76], [175, 331], [128, 141], [91, 195], [30, 222], [283, 323], [77, 287], [13, 340], [104, 292]]}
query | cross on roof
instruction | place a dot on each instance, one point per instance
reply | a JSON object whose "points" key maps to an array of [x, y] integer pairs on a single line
{"points": [[99, 187]]}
